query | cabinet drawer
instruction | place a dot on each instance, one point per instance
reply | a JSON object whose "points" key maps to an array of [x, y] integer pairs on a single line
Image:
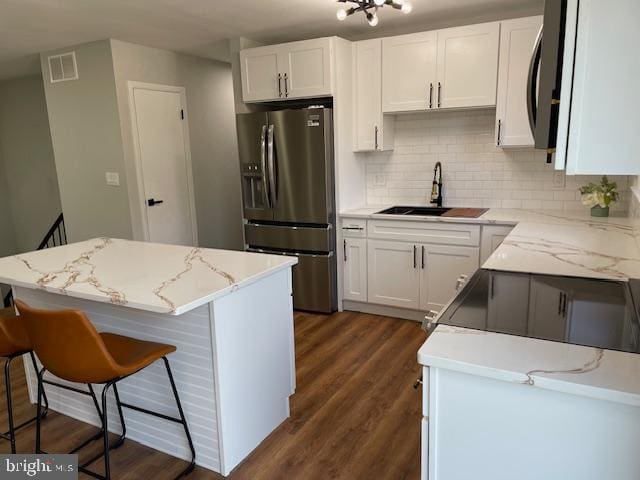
{"points": [[354, 227], [425, 232]]}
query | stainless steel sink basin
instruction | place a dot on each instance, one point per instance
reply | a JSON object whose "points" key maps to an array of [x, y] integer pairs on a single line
{"points": [[420, 211]]}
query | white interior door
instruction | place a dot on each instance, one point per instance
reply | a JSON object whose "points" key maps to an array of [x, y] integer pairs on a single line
{"points": [[164, 164]]}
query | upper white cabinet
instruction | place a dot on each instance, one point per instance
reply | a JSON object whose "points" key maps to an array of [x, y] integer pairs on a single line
{"points": [[450, 68], [600, 105], [372, 130], [468, 65], [517, 39], [409, 65], [287, 71]]}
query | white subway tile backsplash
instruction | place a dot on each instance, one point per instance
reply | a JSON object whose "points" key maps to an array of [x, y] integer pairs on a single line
{"points": [[476, 172]]}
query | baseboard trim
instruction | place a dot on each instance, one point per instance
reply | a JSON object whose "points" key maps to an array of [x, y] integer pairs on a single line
{"points": [[386, 311]]}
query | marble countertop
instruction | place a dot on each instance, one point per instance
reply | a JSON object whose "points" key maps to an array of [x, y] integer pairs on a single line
{"points": [[570, 243], [573, 369], [148, 276]]}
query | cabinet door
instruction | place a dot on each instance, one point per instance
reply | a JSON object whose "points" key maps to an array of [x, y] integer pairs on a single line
{"points": [[367, 95], [441, 266], [468, 66], [491, 238], [259, 70], [306, 67], [409, 72], [355, 269], [517, 39], [508, 306], [394, 274], [548, 311]]}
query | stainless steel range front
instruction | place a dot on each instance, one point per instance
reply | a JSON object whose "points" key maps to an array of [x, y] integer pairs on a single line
{"points": [[286, 161]]}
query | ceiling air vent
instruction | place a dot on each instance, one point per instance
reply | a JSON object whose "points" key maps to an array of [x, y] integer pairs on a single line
{"points": [[63, 67]]}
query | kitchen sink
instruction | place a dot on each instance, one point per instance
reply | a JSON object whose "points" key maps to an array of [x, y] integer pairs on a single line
{"points": [[421, 211]]}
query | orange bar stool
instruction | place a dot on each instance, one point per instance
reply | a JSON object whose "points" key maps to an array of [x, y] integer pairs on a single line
{"points": [[14, 343], [69, 347]]}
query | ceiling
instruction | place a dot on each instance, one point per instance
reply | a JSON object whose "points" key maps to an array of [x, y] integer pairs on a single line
{"points": [[28, 27]]}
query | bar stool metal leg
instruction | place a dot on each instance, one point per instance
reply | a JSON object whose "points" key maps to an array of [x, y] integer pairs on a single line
{"points": [[44, 394], [7, 387]]}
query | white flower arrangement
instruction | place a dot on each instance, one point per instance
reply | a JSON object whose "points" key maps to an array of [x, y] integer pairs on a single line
{"points": [[599, 195]]}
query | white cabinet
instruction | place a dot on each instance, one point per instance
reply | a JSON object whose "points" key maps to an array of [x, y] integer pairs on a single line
{"points": [[287, 71], [393, 273], [355, 269], [549, 307], [517, 39], [260, 72], [508, 300], [372, 129], [468, 66], [450, 68], [409, 72], [441, 266], [490, 239], [599, 106]]}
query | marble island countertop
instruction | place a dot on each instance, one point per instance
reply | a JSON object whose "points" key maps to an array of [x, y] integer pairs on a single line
{"points": [[570, 243], [148, 276], [573, 369]]}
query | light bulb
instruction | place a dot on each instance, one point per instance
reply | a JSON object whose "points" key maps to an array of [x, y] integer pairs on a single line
{"points": [[373, 20], [379, 2], [406, 7], [342, 14]]}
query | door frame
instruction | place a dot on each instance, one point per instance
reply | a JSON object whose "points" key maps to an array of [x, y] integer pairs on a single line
{"points": [[141, 198]]}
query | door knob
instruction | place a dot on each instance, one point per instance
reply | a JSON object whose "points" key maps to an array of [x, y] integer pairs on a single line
{"points": [[151, 202]]}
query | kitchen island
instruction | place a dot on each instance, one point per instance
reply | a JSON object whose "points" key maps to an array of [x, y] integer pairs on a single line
{"points": [[230, 314]]}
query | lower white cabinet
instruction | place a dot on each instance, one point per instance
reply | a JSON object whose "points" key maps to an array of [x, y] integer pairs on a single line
{"points": [[441, 266], [355, 269], [490, 239], [508, 299], [393, 273], [417, 276]]}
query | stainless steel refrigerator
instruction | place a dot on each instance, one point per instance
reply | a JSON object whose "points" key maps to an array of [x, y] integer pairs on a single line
{"points": [[286, 162]]}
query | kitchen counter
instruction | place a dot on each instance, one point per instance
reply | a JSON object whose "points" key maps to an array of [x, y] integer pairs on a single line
{"points": [[148, 276], [551, 242], [574, 369], [230, 315]]}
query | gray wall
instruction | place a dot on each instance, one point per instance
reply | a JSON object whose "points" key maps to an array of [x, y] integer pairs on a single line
{"points": [[25, 142], [214, 151], [85, 132], [7, 232]]}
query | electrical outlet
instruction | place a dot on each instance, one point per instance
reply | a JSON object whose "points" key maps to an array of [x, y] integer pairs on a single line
{"points": [[113, 179], [559, 179], [380, 181]]}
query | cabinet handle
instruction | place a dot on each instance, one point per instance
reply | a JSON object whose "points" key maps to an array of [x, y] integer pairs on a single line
{"points": [[423, 256], [344, 249], [559, 303], [564, 305], [415, 263], [492, 287], [439, 91], [356, 229], [286, 85], [431, 95], [279, 85], [499, 130], [375, 130]]}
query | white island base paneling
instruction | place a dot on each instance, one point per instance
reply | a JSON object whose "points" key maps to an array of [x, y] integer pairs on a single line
{"points": [[234, 370]]}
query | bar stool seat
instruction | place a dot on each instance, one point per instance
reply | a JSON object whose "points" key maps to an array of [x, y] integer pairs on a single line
{"points": [[131, 354], [14, 342]]}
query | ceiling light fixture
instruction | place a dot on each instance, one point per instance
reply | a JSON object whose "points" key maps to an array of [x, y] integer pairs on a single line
{"points": [[365, 5]]}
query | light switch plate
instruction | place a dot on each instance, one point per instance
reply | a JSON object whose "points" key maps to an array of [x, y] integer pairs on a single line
{"points": [[379, 181], [113, 179], [559, 179]]}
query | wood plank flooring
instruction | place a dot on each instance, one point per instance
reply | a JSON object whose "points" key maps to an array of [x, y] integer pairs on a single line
{"points": [[354, 416]]}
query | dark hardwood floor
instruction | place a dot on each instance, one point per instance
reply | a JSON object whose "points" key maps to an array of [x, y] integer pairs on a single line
{"points": [[355, 414]]}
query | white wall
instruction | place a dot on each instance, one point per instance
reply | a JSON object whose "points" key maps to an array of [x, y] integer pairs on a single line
{"points": [[476, 172], [211, 117], [85, 132], [25, 142]]}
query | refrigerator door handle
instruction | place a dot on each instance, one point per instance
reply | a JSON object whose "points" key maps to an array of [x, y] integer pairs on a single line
{"points": [[290, 253], [272, 170], [265, 187]]}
